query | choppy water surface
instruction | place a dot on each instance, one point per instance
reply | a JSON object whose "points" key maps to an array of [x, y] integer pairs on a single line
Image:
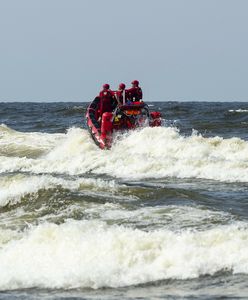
{"points": [[162, 215]]}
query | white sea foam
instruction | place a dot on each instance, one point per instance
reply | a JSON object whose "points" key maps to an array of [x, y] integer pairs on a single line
{"points": [[93, 254], [14, 143], [13, 188], [150, 152], [153, 218], [238, 110]]}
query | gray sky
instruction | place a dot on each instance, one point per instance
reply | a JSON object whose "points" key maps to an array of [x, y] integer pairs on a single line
{"points": [[64, 50]]}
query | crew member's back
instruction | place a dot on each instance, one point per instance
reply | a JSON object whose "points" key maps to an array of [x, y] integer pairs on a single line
{"points": [[135, 92], [106, 99]]}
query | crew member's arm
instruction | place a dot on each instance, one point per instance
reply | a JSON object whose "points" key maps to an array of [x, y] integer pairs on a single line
{"points": [[115, 99]]}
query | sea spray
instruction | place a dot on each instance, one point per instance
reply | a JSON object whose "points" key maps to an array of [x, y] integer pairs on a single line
{"points": [[92, 254], [147, 153]]}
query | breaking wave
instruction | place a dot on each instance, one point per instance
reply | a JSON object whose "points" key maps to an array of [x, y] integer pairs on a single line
{"points": [[147, 153], [92, 254], [238, 110], [64, 226], [14, 188]]}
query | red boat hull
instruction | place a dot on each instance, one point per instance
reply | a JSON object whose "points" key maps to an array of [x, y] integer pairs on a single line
{"points": [[126, 117]]}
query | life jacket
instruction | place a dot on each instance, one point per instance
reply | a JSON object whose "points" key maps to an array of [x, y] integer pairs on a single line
{"points": [[134, 94]]}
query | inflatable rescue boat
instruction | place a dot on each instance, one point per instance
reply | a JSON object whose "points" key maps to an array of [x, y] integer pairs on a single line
{"points": [[124, 117]]}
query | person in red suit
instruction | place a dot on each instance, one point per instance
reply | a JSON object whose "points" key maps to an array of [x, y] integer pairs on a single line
{"points": [[120, 94], [107, 100], [135, 92]]}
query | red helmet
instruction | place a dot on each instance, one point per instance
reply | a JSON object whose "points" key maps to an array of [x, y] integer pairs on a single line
{"points": [[136, 82], [122, 86], [106, 86]]}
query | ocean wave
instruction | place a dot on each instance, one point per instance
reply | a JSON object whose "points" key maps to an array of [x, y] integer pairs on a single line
{"points": [[92, 254], [238, 110], [15, 187], [172, 217], [71, 110], [25, 144], [147, 153]]}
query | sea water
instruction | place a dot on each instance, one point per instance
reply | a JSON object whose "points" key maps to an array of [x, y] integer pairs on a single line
{"points": [[162, 215]]}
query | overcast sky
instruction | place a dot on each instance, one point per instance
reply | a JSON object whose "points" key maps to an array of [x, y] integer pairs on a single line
{"points": [[64, 50]]}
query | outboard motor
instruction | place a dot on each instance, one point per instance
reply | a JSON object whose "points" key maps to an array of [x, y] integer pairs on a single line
{"points": [[155, 119]]}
